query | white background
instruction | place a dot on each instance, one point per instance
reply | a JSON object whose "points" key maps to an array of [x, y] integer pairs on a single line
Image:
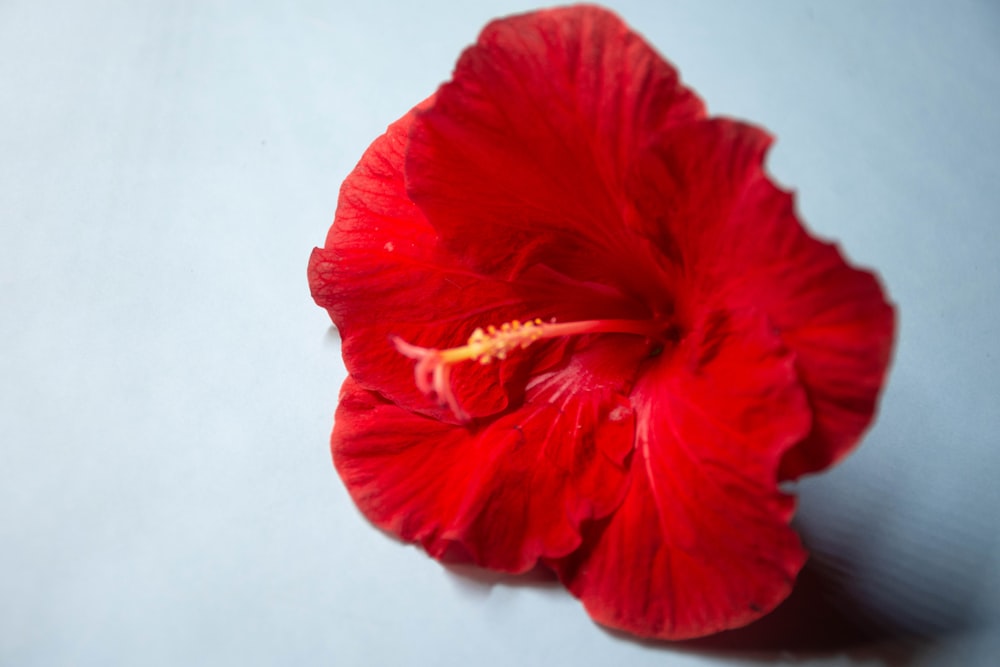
{"points": [[167, 386]]}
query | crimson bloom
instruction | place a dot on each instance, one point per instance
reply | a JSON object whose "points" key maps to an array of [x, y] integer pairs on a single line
{"points": [[622, 336]]}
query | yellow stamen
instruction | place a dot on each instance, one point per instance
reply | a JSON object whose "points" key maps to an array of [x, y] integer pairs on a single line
{"points": [[432, 371], [493, 343]]}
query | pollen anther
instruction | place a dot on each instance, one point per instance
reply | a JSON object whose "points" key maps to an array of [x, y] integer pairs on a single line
{"points": [[485, 346]]}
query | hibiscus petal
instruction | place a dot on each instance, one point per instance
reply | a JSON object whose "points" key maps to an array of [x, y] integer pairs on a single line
{"points": [[701, 542], [704, 196], [837, 321], [510, 492], [521, 159], [381, 274]]}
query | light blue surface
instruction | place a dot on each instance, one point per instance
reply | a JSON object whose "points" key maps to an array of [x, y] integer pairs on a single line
{"points": [[167, 386]]}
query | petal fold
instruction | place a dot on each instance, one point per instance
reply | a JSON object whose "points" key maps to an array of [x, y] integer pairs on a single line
{"points": [[521, 159], [506, 493], [701, 542], [705, 198]]}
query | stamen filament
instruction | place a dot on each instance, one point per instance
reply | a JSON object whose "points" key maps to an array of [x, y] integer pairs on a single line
{"points": [[432, 371]]}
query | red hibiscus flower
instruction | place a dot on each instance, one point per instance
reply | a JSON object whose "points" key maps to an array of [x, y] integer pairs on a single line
{"points": [[622, 336]]}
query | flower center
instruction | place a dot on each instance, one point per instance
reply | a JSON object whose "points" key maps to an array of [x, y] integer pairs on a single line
{"points": [[432, 372]]}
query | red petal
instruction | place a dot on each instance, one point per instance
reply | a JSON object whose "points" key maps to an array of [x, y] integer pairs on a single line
{"points": [[704, 195], [382, 275], [510, 492], [521, 159], [701, 542]]}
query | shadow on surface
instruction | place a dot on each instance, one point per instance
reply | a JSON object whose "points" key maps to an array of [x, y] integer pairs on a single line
{"points": [[824, 616], [818, 618]]}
